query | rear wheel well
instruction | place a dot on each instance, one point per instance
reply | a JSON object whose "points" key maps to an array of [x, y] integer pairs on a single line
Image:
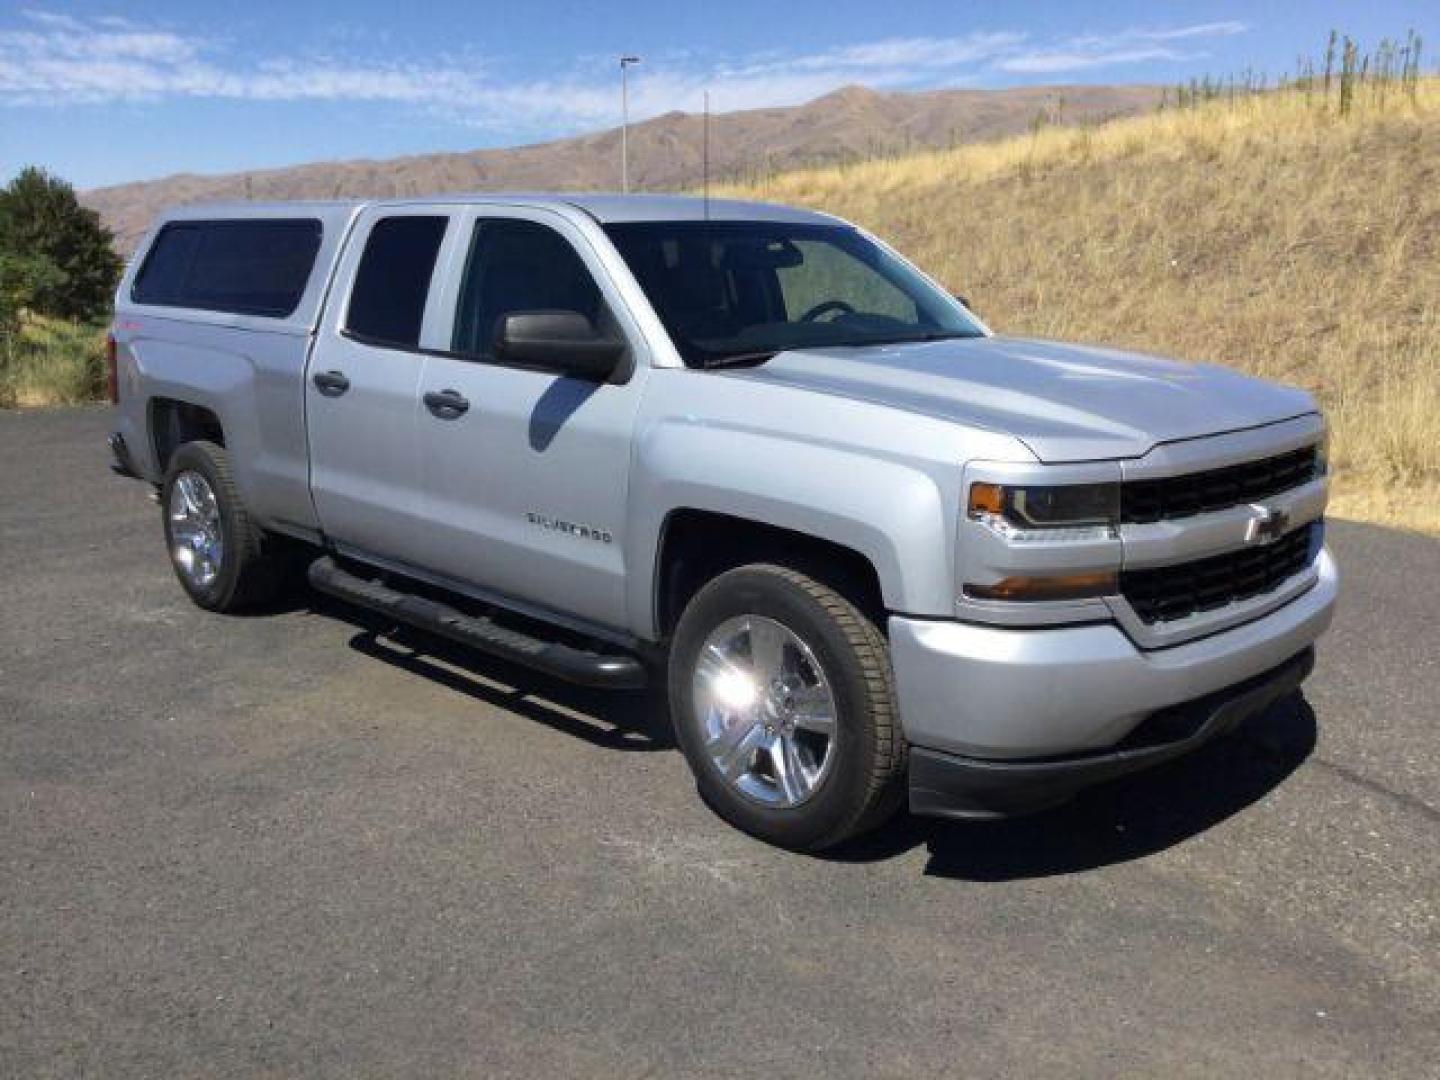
{"points": [[698, 545], [174, 423]]}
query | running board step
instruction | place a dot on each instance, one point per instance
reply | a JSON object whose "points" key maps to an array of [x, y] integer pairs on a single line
{"points": [[608, 671]]}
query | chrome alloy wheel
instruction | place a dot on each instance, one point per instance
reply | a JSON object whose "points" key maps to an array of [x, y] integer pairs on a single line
{"points": [[766, 710], [197, 543]]}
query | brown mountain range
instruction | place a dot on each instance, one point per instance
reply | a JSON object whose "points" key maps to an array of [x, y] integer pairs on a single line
{"points": [[665, 152]]}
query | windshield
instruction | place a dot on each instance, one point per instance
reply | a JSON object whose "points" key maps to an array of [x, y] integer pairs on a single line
{"points": [[732, 291]]}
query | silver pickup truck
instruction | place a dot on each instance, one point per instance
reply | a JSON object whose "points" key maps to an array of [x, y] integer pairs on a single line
{"points": [[877, 551]]}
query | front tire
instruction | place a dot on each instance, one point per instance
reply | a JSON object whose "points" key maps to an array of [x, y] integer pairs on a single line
{"points": [[783, 702], [216, 549]]}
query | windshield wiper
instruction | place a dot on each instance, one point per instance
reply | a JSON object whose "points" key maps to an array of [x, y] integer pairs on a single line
{"points": [[937, 335], [742, 359]]}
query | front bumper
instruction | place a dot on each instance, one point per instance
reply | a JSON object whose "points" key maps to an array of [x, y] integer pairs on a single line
{"points": [[947, 785], [999, 694]]}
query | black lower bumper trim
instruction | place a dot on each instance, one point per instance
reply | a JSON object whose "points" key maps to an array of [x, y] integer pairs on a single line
{"points": [[951, 786]]}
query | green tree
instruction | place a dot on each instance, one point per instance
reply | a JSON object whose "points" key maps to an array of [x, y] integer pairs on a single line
{"points": [[22, 279], [42, 222]]}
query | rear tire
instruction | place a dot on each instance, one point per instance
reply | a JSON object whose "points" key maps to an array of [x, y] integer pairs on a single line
{"points": [[756, 740], [216, 549]]}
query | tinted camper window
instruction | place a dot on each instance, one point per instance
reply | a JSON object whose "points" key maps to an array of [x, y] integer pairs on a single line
{"points": [[250, 267]]}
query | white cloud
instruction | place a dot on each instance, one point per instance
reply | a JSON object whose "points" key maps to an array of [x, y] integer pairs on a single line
{"points": [[1131, 46], [1045, 63], [57, 59], [905, 53], [1215, 29]]}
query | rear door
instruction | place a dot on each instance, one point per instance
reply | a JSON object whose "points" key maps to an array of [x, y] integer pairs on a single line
{"points": [[363, 382], [525, 491]]}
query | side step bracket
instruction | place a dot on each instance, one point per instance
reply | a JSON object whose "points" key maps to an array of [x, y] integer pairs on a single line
{"points": [[608, 671]]}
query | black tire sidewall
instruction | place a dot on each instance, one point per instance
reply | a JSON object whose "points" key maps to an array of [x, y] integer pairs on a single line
{"points": [[201, 458], [842, 797]]}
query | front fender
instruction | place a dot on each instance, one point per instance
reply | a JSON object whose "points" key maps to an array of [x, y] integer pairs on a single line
{"points": [[895, 513]]}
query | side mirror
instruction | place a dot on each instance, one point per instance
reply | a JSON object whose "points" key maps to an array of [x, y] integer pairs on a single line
{"points": [[563, 341], [965, 301]]}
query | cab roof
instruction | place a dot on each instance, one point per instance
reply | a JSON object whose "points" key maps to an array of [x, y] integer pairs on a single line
{"points": [[605, 208]]}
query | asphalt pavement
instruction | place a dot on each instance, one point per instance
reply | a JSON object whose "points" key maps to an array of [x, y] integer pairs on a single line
{"points": [[296, 844]]}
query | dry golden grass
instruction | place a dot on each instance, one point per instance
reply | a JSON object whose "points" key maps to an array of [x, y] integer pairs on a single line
{"points": [[51, 362], [1269, 234]]}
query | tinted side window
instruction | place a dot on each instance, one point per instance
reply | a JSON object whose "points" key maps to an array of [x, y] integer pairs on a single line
{"points": [[252, 267], [387, 304], [520, 266]]}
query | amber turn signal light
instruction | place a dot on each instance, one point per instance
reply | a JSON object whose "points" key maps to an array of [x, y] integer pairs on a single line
{"points": [[986, 499], [1059, 587]]}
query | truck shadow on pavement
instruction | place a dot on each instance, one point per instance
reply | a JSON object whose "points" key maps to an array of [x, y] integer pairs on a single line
{"points": [[1125, 819], [612, 719], [1117, 822]]}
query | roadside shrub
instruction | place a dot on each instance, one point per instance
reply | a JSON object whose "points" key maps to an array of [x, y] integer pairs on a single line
{"points": [[51, 362]]}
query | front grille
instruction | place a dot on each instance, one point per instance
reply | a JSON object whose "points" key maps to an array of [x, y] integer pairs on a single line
{"points": [[1144, 501], [1173, 592]]}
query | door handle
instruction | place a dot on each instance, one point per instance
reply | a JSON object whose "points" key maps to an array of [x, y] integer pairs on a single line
{"points": [[446, 404], [330, 383]]}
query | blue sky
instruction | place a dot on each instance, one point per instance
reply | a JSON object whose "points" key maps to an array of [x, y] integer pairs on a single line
{"points": [[106, 93]]}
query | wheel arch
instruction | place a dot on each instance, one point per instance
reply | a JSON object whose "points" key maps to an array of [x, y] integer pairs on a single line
{"points": [[172, 422], [696, 545]]}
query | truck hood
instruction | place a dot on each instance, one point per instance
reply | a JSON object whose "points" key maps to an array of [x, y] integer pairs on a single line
{"points": [[1065, 402]]}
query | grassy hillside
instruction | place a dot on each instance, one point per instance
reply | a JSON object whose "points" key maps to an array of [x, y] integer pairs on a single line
{"points": [[665, 152], [1268, 233]]}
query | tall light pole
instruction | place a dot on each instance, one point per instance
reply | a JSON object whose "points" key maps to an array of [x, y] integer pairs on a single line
{"points": [[625, 62]]}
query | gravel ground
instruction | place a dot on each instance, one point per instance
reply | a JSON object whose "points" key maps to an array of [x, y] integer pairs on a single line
{"points": [[287, 844]]}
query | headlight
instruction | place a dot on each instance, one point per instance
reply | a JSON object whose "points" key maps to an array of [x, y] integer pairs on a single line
{"points": [[1047, 513]]}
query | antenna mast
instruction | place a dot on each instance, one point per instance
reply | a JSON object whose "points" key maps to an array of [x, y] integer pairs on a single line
{"points": [[705, 156], [625, 62]]}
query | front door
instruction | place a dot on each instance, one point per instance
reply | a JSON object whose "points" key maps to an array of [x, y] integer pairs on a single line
{"points": [[525, 472], [362, 389]]}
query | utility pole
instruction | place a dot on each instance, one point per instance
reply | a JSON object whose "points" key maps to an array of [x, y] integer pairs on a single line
{"points": [[625, 62]]}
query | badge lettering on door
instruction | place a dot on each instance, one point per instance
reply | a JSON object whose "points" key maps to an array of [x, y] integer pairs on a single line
{"points": [[582, 532]]}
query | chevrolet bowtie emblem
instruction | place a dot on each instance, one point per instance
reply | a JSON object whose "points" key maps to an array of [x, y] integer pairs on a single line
{"points": [[1267, 525]]}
